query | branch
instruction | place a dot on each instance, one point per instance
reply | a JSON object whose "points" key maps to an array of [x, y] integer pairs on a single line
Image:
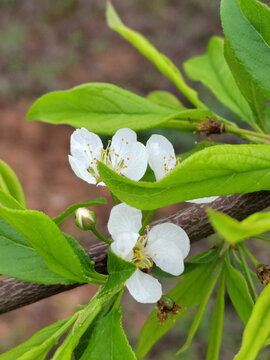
{"points": [[15, 294]]}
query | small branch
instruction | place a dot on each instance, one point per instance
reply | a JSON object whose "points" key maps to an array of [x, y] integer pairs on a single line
{"points": [[15, 294]]}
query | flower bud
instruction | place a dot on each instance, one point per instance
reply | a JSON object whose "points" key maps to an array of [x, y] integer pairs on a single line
{"points": [[85, 219]]}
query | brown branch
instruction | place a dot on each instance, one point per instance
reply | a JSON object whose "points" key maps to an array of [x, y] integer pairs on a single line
{"points": [[15, 294]]}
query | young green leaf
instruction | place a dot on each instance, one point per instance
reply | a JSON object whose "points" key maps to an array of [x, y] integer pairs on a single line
{"points": [[38, 346], [119, 271], [257, 329], [189, 292], [10, 184], [9, 201], [108, 340], [217, 170], [258, 14], [239, 266], [213, 71], [238, 292], [49, 242], [87, 264], [19, 260], [164, 98], [164, 65], [85, 319], [215, 335], [247, 55], [70, 210], [199, 315], [100, 108], [234, 231], [198, 147]]}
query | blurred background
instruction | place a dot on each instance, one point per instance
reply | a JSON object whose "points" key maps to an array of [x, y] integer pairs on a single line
{"points": [[57, 44]]}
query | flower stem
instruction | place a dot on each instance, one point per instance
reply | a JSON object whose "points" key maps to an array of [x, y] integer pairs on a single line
{"points": [[251, 257], [146, 220], [238, 131], [114, 199], [262, 237], [246, 271], [100, 236]]}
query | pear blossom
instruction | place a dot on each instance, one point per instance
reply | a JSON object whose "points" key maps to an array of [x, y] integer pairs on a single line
{"points": [[162, 159], [165, 245], [124, 154]]}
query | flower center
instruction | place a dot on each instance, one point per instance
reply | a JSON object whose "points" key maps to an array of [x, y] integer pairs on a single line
{"points": [[169, 163], [110, 158], [140, 257]]}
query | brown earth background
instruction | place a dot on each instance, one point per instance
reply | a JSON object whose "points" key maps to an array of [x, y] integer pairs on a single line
{"points": [[56, 44]]}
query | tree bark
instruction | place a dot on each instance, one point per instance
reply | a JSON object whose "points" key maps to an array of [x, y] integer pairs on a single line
{"points": [[15, 294]]}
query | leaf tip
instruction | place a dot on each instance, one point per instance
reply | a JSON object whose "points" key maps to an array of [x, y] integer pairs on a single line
{"points": [[112, 17]]}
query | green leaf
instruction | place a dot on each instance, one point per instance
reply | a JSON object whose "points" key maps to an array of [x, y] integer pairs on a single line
{"points": [[164, 65], [70, 210], [234, 231], [257, 329], [218, 170], [213, 71], [198, 147], [247, 54], [199, 315], [188, 293], [204, 256], [49, 242], [9, 201], [119, 271], [19, 260], [88, 265], [10, 184], [215, 335], [86, 317], [108, 340], [239, 266], [238, 292], [100, 108], [258, 14], [164, 98], [38, 346]]}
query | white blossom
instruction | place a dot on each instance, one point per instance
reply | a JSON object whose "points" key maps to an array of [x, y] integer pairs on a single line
{"points": [[166, 245], [162, 159], [124, 154]]}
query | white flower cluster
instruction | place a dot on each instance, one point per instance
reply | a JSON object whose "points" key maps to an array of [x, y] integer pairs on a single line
{"points": [[165, 245]]}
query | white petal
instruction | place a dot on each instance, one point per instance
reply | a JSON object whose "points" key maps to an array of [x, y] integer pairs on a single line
{"points": [[167, 256], [124, 218], [161, 155], [143, 287], [121, 145], [168, 233], [204, 200], [85, 147], [122, 140], [80, 170], [123, 244], [136, 163], [82, 137]]}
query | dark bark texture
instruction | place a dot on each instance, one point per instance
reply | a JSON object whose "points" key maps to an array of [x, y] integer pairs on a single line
{"points": [[15, 294]]}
